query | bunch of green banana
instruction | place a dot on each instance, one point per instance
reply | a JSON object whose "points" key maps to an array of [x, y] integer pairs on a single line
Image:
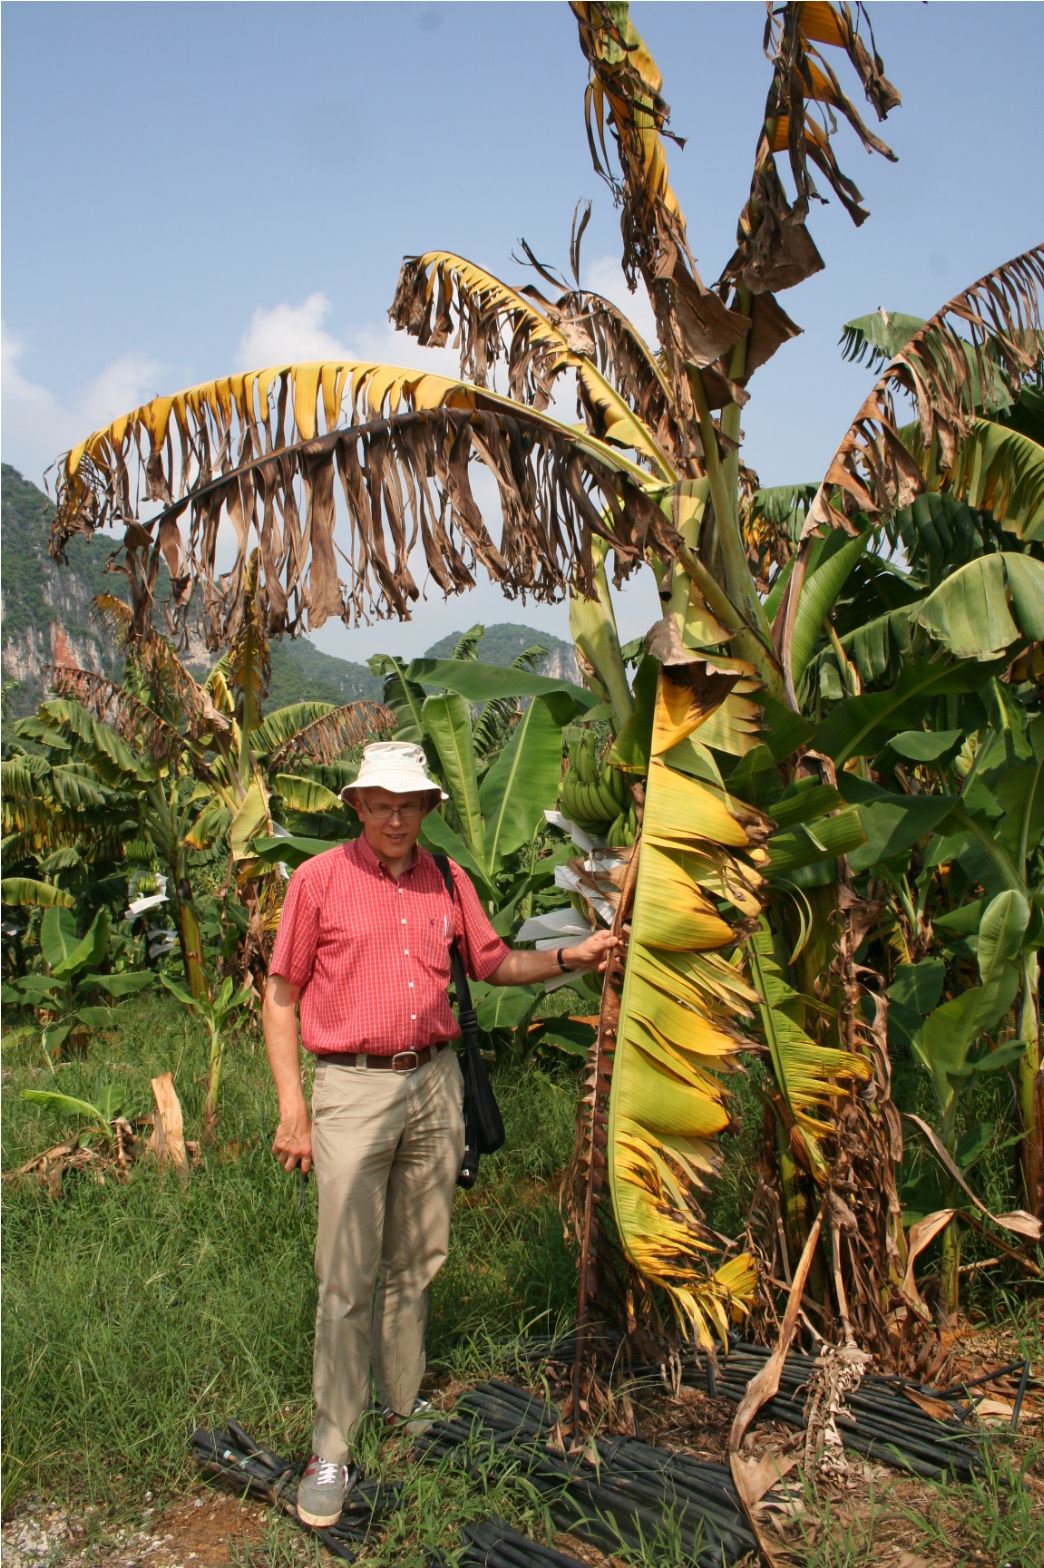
{"points": [[593, 793], [623, 829]]}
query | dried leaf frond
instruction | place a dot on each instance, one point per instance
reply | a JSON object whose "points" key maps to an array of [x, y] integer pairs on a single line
{"points": [[774, 249], [322, 737], [988, 336], [119, 710], [404, 480], [441, 293], [693, 324], [989, 332]]}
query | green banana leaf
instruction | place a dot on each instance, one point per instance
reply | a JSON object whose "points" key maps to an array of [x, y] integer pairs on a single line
{"points": [[251, 816], [592, 625], [860, 726], [304, 794], [437, 835], [27, 893], [521, 783], [479, 682], [447, 726], [819, 596], [984, 608], [291, 850]]}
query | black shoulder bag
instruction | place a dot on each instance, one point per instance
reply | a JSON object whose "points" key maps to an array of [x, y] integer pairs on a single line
{"points": [[483, 1125]]}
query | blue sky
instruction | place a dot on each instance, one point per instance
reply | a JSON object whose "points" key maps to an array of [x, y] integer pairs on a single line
{"points": [[191, 189]]}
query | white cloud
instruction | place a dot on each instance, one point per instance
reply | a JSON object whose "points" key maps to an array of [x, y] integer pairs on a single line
{"points": [[284, 333], [38, 424]]}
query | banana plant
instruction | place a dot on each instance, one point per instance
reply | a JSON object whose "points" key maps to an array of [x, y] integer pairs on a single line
{"points": [[215, 1011], [651, 473], [68, 992]]}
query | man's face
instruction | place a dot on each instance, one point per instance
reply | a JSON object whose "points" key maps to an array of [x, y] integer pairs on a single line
{"points": [[391, 823]]}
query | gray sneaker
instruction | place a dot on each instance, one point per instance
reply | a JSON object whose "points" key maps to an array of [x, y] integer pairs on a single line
{"points": [[419, 1418], [320, 1492]]}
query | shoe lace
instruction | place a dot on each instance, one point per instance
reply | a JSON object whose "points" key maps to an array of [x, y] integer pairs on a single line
{"points": [[326, 1473]]}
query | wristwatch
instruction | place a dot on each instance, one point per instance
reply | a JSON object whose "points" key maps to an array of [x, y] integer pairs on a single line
{"points": [[561, 961]]}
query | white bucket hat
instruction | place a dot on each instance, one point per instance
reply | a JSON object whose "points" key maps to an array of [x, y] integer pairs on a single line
{"points": [[394, 765]]}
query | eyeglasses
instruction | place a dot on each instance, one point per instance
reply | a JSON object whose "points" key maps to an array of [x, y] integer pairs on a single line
{"points": [[409, 812]]}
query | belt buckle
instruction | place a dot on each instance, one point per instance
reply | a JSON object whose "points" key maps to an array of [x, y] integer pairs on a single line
{"points": [[399, 1065]]}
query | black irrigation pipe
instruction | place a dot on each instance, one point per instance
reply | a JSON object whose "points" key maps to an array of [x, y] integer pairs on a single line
{"points": [[901, 1419], [500, 1544], [232, 1456], [621, 1500]]}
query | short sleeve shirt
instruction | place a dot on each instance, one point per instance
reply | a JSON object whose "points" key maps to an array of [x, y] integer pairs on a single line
{"points": [[370, 955]]}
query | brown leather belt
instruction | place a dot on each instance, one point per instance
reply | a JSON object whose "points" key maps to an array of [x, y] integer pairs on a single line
{"points": [[399, 1062]]}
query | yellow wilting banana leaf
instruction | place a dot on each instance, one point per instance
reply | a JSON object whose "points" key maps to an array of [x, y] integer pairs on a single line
{"points": [[679, 1007]]}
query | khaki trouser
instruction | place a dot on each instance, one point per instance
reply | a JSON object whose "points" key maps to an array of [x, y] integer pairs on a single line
{"points": [[386, 1148]]}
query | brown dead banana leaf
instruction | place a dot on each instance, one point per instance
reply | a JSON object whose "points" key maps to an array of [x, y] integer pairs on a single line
{"points": [[168, 1137], [921, 1234], [765, 1385], [762, 1473], [991, 331], [775, 250], [939, 1409], [624, 96], [405, 479], [941, 368]]}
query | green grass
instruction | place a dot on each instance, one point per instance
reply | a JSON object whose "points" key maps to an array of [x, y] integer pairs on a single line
{"points": [[137, 1310]]}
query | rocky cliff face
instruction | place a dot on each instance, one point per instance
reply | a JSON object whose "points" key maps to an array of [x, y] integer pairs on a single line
{"points": [[47, 617], [560, 664]]}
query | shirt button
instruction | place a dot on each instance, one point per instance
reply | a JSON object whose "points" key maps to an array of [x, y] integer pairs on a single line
{"points": [[413, 1018], [404, 919], [406, 952], [411, 985]]}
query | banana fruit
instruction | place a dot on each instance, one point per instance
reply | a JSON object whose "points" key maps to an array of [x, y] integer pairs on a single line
{"points": [[595, 794]]}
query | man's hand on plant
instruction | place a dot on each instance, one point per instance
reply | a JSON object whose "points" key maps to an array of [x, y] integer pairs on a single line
{"points": [[592, 953]]}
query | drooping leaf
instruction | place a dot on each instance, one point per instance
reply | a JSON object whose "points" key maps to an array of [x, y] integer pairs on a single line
{"points": [[984, 608], [67, 1104], [26, 892], [305, 794], [122, 985], [540, 347], [810, 1077], [250, 820], [482, 682], [677, 1024], [400, 444], [943, 366]]}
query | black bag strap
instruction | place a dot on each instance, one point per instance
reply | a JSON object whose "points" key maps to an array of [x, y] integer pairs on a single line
{"points": [[465, 1006]]}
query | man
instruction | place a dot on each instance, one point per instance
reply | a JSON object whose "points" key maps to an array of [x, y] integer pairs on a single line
{"points": [[363, 946]]}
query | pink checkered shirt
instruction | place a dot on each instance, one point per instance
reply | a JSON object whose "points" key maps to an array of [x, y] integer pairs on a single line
{"points": [[371, 955]]}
